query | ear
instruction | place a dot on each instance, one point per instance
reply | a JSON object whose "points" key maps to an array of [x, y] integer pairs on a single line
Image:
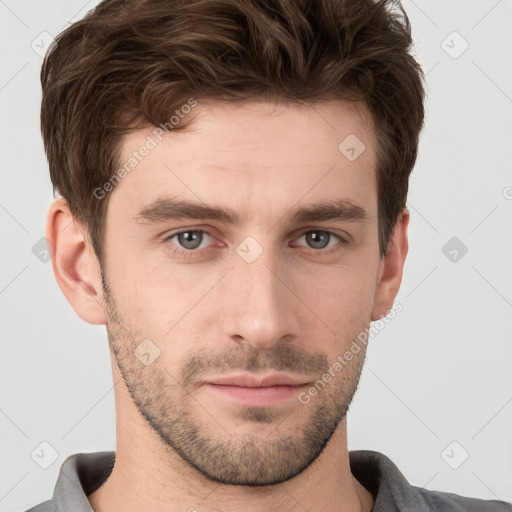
{"points": [[391, 267], [75, 264]]}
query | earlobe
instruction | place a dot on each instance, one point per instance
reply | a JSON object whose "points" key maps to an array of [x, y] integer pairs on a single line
{"points": [[75, 265], [391, 268]]}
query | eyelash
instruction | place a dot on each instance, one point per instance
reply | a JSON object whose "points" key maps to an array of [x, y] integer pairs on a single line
{"points": [[190, 253]]}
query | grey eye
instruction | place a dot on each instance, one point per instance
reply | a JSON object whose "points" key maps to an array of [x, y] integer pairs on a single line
{"points": [[190, 239], [318, 239]]}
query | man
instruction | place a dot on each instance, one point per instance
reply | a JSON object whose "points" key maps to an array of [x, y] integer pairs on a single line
{"points": [[233, 179]]}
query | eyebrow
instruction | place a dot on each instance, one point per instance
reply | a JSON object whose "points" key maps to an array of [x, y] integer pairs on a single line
{"points": [[170, 208]]}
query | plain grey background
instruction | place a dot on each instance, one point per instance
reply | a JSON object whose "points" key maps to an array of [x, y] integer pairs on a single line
{"points": [[436, 393]]}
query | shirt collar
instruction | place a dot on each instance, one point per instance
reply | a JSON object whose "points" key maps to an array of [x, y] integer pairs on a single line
{"points": [[390, 489], [83, 473]]}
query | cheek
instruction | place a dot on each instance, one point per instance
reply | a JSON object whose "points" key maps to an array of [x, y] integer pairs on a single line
{"points": [[170, 309], [342, 300], [148, 290]]}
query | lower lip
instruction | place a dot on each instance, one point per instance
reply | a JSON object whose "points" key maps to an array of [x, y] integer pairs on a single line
{"points": [[255, 397]]}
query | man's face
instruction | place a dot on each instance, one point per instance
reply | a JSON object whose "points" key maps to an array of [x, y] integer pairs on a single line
{"points": [[269, 293]]}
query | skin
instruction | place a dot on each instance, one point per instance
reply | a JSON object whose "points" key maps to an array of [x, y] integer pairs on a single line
{"points": [[295, 308]]}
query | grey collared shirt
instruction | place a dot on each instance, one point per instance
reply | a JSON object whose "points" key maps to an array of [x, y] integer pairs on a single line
{"points": [[81, 474]]}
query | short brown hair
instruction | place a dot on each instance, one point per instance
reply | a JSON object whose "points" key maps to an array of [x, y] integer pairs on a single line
{"points": [[128, 64]]}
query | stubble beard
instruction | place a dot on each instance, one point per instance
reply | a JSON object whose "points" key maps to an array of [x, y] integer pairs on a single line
{"points": [[168, 403]]}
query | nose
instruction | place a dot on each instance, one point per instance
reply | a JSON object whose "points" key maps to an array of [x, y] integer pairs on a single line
{"points": [[260, 306]]}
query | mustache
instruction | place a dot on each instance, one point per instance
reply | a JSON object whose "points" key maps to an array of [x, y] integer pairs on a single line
{"points": [[250, 359]]}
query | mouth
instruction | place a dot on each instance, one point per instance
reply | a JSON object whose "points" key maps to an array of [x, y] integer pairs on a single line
{"points": [[249, 390]]}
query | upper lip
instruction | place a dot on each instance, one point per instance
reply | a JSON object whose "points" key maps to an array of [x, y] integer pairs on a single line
{"points": [[251, 381]]}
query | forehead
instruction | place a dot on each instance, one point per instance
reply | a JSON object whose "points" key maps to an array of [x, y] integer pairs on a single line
{"points": [[253, 155]]}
